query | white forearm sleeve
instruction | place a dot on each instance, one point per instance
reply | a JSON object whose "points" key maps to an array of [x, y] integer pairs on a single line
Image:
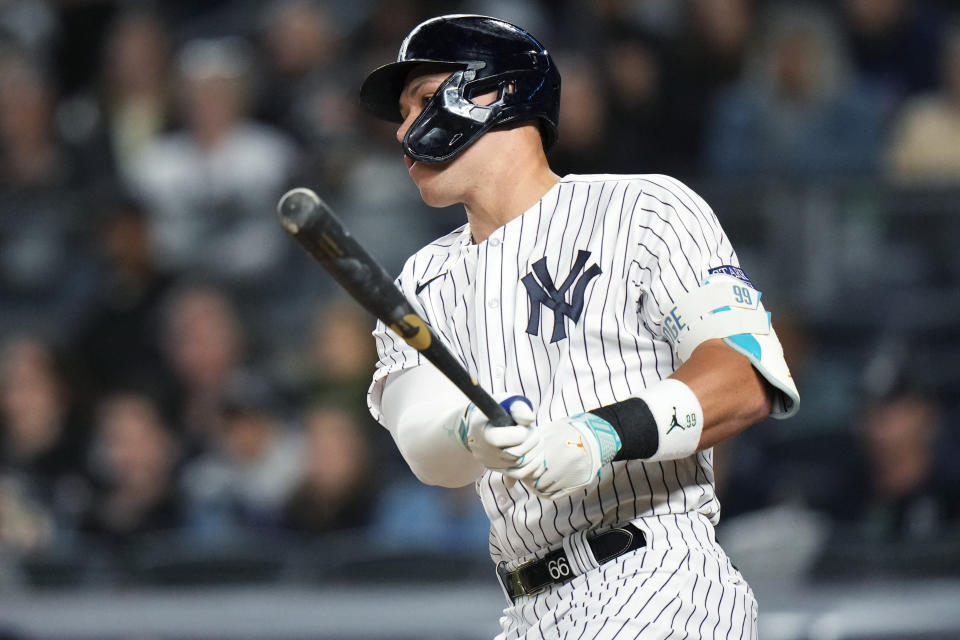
{"points": [[421, 409]]}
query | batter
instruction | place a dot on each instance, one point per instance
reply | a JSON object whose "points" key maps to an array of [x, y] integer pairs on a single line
{"points": [[609, 314]]}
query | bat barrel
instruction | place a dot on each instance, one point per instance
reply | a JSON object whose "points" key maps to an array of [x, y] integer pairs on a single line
{"points": [[297, 207], [306, 217]]}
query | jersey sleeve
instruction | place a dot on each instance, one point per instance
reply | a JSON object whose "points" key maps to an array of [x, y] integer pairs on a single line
{"points": [[393, 355], [678, 241]]}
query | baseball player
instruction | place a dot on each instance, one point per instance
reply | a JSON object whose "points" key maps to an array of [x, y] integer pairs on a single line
{"points": [[610, 316]]}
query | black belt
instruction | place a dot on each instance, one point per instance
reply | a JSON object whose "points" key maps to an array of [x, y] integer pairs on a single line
{"points": [[554, 568]]}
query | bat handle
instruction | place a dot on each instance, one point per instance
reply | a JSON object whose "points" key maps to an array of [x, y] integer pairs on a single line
{"points": [[494, 411]]}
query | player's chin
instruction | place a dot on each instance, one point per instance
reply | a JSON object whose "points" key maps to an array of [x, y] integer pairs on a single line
{"points": [[433, 186], [436, 197]]}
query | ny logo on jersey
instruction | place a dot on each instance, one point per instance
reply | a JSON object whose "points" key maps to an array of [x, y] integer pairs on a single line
{"points": [[542, 291]]}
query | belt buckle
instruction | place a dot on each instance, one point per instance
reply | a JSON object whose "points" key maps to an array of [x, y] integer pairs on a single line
{"points": [[513, 586], [518, 585]]}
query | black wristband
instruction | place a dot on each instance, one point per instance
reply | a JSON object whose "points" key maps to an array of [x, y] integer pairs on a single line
{"points": [[636, 426]]}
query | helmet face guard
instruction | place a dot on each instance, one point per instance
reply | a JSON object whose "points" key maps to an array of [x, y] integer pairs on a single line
{"points": [[485, 55]]}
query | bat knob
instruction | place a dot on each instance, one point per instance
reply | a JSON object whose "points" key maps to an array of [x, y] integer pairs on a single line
{"points": [[296, 207]]}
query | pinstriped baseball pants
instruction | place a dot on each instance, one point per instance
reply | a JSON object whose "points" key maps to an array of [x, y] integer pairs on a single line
{"points": [[687, 591]]}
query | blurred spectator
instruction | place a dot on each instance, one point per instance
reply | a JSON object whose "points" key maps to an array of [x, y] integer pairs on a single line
{"points": [[582, 129], [340, 481], [32, 156], [341, 355], [133, 459], [705, 58], [45, 276], [908, 496], [720, 32], [213, 186], [798, 112], [925, 146], [43, 436], [30, 23], [899, 482], [412, 515], [639, 139], [308, 91], [335, 367], [204, 344], [894, 45], [252, 465], [25, 525], [134, 91], [120, 342], [300, 45]]}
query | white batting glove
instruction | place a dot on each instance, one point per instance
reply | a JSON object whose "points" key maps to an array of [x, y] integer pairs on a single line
{"points": [[501, 448], [571, 454]]}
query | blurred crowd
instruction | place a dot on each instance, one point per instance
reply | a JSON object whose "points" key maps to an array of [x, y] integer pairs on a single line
{"points": [[170, 362]]}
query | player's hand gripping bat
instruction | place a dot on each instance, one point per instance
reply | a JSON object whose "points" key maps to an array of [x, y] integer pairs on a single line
{"points": [[311, 222]]}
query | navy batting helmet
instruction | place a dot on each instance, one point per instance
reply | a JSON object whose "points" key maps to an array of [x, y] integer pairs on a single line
{"points": [[485, 54]]}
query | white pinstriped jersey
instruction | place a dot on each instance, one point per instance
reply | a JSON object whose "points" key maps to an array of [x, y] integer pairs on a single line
{"points": [[563, 304]]}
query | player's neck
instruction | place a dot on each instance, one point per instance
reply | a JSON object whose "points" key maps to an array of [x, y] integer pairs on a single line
{"points": [[512, 188]]}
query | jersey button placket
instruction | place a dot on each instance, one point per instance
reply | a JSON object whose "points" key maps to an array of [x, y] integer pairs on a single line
{"points": [[492, 267]]}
